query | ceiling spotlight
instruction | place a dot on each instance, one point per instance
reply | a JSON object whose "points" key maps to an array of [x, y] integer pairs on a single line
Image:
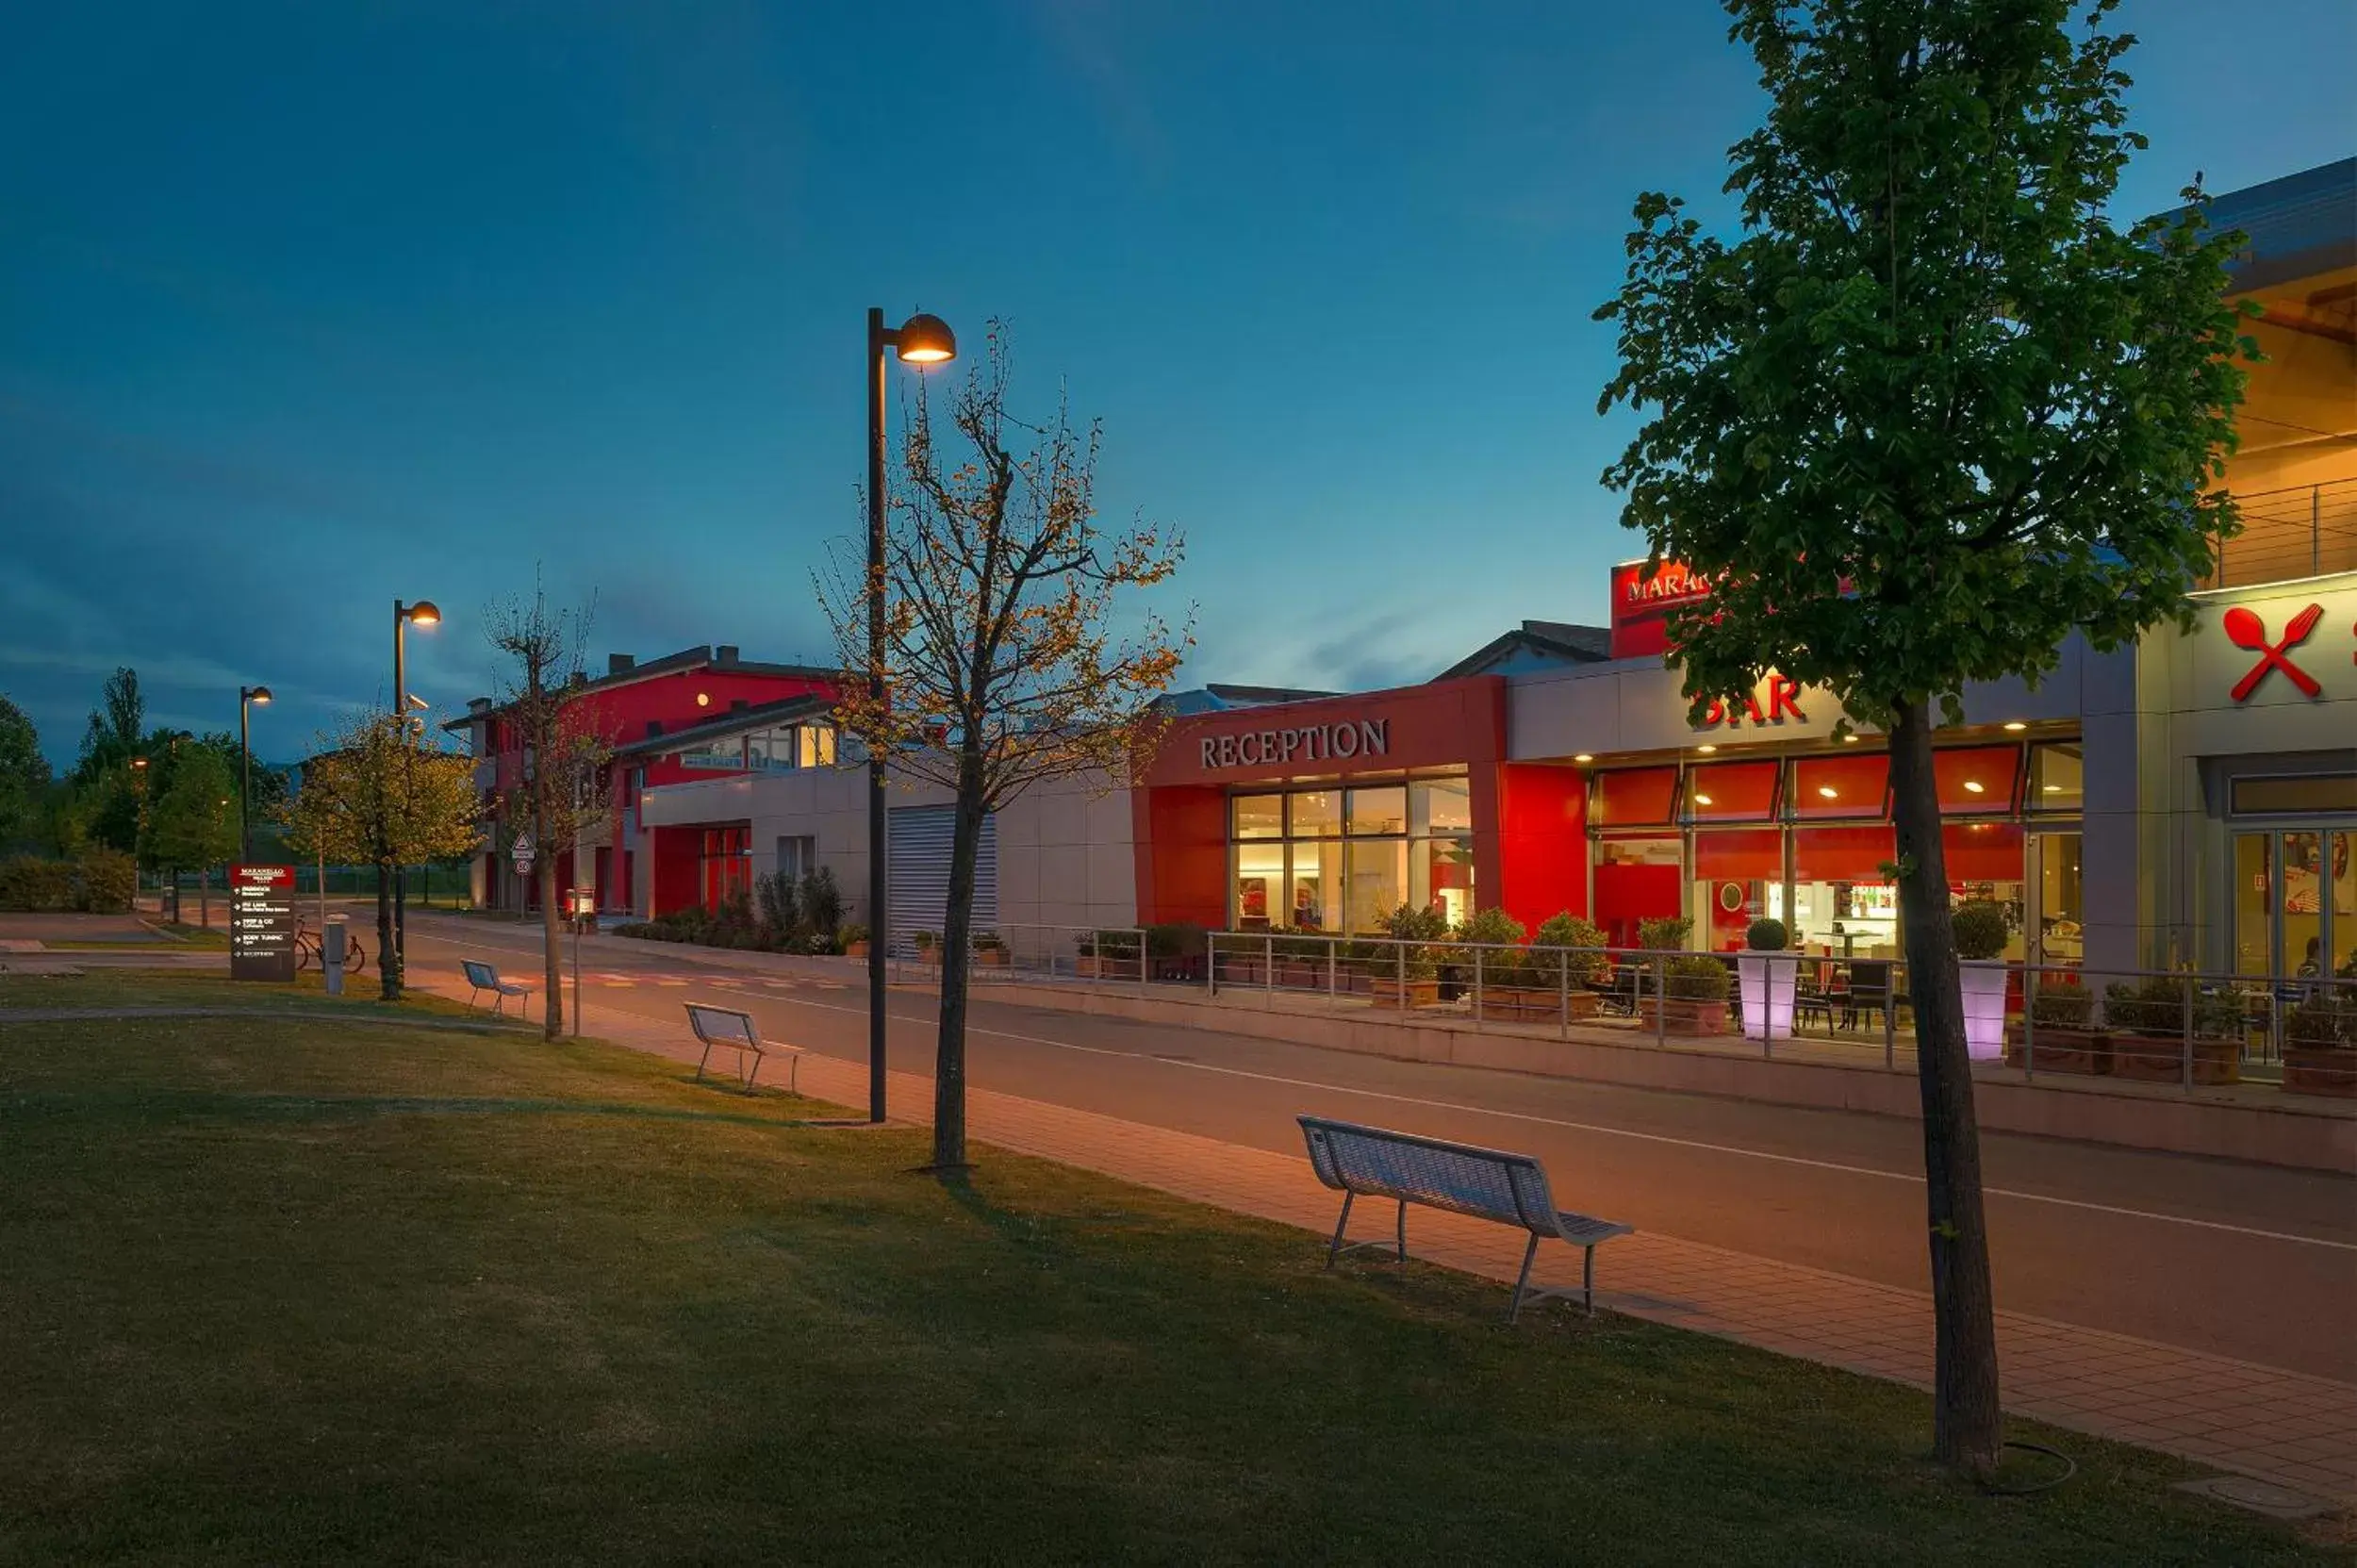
{"points": [[1705, 750], [1829, 792], [1975, 785]]}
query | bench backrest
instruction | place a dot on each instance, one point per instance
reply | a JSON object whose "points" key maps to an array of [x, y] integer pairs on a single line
{"points": [[722, 1026], [480, 975], [1466, 1179]]}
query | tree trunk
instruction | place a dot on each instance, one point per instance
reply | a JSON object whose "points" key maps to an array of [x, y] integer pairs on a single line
{"points": [[387, 955], [957, 962], [1966, 1422], [551, 944]]}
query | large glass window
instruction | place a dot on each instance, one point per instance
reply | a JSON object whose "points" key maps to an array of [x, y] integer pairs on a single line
{"points": [[2255, 886], [2061, 905], [1318, 813], [1381, 809], [1734, 791], [1976, 780], [1846, 784], [2058, 778], [1637, 798], [1257, 817], [1342, 858]]}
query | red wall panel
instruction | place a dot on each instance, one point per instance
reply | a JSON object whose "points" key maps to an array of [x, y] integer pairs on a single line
{"points": [[1543, 841], [1181, 848]]}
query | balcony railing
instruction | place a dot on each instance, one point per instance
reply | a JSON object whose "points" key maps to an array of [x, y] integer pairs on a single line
{"points": [[2303, 531]]}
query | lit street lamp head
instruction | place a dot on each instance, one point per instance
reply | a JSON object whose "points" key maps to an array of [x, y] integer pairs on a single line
{"points": [[258, 694], [925, 340], [422, 613]]}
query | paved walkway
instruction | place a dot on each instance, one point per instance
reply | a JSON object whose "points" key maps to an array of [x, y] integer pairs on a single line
{"points": [[2295, 1430]]}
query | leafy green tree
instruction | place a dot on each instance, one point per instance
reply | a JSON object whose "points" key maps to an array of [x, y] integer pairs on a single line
{"points": [[23, 777], [193, 824], [1929, 414], [382, 795]]}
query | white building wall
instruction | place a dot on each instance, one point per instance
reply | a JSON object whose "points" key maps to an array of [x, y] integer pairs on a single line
{"points": [[1066, 854]]}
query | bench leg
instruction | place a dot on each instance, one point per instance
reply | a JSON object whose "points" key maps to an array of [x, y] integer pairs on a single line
{"points": [[793, 1074], [1587, 1278], [1403, 1231], [755, 1073], [701, 1060], [1334, 1247], [1521, 1282]]}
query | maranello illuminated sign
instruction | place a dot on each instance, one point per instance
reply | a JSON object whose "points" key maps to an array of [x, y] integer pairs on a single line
{"points": [[1365, 737], [1778, 698]]}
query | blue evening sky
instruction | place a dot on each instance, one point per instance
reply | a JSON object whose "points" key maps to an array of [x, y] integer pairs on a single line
{"points": [[304, 306]]}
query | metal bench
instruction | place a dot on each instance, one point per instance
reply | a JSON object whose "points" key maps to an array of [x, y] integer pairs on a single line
{"points": [[482, 978], [1463, 1179], [734, 1030]]}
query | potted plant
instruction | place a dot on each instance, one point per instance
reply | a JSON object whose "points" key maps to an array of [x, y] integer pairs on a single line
{"points": [[1567, 958], [1405, 972], [1980, 928], [1176, 951], [1696, 999], [1300, 960], [1769, 977], [855, 939], [1084, 955], [1495, 952], [990, 949], [2149, 1040], [2060, 1016], [928, 945], [2320, 1047]]}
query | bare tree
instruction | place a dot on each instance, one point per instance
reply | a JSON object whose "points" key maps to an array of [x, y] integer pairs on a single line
{"points": [[999, 667], [558, 791]]}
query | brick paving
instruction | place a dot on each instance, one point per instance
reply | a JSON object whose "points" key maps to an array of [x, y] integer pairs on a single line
{"points": [[2288, 1427]]}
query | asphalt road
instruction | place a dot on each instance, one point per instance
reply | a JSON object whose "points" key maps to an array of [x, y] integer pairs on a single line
{"points": [[2237, 1260]]}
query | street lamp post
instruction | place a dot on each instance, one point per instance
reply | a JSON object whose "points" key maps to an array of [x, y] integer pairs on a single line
{"points": [[921, 340], [421, 614], [247, 697]]}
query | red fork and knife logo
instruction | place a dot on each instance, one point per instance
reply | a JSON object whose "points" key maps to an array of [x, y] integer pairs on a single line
{"points": [[2247, 631]]}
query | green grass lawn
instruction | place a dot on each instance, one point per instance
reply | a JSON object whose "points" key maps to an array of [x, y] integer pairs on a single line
{"points": [[288, 1289]]}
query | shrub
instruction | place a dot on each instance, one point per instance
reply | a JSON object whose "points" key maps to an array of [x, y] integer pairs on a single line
{"points": [[1664, 934], [2325, 1021], [2157, 1006], [30, 883], [2063, 1007], [845, 935], [819, 943], [1566, 930], [1176, 941], [1980, 927], [108, 879], [821, 900], [926, 940], [780, 908], [1767, 936], [1419, 928], [1698, 977], [989, 942]]}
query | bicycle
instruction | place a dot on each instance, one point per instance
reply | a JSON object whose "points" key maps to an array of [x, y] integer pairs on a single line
{"points": [[310, 955]]}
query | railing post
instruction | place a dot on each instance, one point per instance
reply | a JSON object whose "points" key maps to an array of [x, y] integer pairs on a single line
{"points": [[1211, 964], [1563, 993], [1268, 969], [1399, 951], [1890, 1016], [1476, 1007], [1141, 961], [2028, 1024], [1333, 964], [2187, 1017], [1768, 1002], [1662, 1004]]}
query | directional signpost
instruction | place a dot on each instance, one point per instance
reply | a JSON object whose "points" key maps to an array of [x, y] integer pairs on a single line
{"points": [[261, 922]]}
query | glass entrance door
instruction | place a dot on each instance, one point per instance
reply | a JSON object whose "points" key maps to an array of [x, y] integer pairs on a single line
{"points": [[2295, 902]]}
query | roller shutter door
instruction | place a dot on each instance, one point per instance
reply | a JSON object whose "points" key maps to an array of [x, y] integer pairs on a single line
{"points": [[919, 867]]}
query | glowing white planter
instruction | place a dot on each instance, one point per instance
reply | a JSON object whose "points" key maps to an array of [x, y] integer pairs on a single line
{"points": [[1766, 980], [1984, 1008]]}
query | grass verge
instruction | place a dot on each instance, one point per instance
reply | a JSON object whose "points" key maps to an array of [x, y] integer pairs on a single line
{"points": [[286, 1289]]}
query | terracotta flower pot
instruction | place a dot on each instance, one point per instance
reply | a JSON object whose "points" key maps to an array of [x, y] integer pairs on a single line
{"points": [[1387, 991], [2084, 1052], [855, 949], [2161, 1059], [1520, 1004], [1688, 1015], [2320, 1070]]}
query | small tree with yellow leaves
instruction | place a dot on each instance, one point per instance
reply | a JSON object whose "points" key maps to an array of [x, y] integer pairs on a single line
{"points": [[1000, 667]]}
